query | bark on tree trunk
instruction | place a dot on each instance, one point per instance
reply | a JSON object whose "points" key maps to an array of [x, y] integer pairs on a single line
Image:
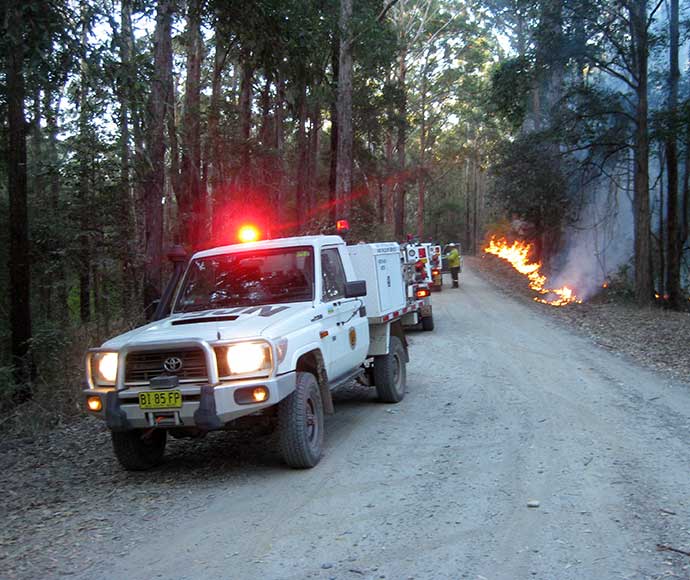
{"points": [[335, 65], [644, 287], [343, 181], [389, 185], [662, 238], [36, 173], [125, 219], [468, 222], [313, 164], [265, 139], [279, 143], [137, 214], [245, 107], [301, 204], [59, 304], [19, 262], [674, 245], [154, 180], [401, 146], [191, 203], [217, 173], [85, 157], [421, 178]]}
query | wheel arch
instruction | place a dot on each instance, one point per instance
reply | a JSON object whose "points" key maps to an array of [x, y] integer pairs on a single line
{"points": [[313, 362]]}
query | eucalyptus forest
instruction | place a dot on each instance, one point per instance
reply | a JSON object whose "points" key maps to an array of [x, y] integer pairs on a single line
{"points": [[132, 126]]}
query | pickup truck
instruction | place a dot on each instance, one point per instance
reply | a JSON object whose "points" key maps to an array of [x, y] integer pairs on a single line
{"points": [[263, 330]]}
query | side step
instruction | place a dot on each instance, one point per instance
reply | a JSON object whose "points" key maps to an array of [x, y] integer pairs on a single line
{"points": [[346, 379]]}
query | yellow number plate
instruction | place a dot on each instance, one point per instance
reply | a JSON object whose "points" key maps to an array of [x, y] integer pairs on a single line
{"points": [[160, 400]]}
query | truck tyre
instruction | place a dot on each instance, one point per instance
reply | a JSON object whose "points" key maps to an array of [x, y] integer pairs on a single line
{"points": [[428, 323], [389, 373], [300, 424], [137, 452]]}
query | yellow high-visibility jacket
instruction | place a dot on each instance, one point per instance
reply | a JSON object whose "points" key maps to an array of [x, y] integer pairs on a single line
{"points": [[453, 258]]}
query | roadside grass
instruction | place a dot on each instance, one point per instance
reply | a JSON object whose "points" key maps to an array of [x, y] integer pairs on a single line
{"points": [[56, 397]]}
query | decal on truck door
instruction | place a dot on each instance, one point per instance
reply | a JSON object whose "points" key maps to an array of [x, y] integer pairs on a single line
{"points": [[353, 337]]}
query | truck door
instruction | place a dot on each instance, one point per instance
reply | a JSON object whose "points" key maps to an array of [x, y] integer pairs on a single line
{"points": [[338, 319]]}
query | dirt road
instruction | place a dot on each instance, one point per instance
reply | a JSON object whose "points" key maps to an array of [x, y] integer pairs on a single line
{"points": [[503, 408]]}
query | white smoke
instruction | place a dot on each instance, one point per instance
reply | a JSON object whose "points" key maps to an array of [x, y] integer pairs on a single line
{"points": [[601, 241]]}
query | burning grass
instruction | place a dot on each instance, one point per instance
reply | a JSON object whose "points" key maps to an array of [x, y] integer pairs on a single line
{"points": [[517, 255]]}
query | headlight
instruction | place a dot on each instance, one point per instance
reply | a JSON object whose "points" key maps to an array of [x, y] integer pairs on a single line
{"points": [[248, 358], [105, 365]]}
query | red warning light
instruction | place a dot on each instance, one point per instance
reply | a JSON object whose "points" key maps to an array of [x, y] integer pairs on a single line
{"points": [[343, 226], [248, 233]]}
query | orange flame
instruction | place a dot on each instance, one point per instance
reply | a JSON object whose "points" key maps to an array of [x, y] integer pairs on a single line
{"points": [[517, 255]]}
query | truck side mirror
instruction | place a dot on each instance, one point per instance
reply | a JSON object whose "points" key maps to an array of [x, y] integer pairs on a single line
{"points": [[355, 289]]}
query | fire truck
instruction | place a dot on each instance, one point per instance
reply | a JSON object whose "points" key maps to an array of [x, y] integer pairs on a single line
{"points": [[261, 331], [419, 282]]}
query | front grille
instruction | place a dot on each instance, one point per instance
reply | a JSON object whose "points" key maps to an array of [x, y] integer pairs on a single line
{"points": [[141, 367]]}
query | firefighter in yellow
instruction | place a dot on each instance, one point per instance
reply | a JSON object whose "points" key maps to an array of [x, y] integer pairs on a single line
{"points": [[453, 257]]}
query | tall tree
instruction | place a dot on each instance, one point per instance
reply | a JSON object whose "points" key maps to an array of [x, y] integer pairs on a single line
{"points": [[19, 261], [674, 244], [153, 183], [639, 30], [190, 196], [343, 174], [127, 107], [85, 154]]}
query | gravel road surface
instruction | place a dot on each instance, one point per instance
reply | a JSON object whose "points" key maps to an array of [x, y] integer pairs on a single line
{"points": [[505, 409]]}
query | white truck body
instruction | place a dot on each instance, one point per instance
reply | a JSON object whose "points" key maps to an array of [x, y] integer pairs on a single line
{"points": [[325, 333]]}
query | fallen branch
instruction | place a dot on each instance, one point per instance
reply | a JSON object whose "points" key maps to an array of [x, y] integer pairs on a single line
{"points": [[663, 548]]}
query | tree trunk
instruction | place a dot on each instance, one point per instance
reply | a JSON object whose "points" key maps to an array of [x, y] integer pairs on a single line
{"points": [[662, 238], [137, 214], [389, 185], [644, 287], [475, 207], [468, 222], [190, 197], [301, 203], [125, 219], [421, 178], [313, 162], [215, 155], [154, 179], [685, 205], [36, 173], [245, 107], [674, 244], [343, 173], [279, 143], [335, 65], [85, 160], [59, 303], [19, 260], [401, 146]]}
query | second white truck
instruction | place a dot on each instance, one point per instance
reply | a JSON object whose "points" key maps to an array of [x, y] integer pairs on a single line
{"points": [[264, 331]]}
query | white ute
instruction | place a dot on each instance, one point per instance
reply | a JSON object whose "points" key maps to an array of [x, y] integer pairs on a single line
{"points": [[261, 331]]}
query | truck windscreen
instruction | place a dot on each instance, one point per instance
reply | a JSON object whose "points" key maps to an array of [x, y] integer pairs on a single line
{"points": [[248, 279]]}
